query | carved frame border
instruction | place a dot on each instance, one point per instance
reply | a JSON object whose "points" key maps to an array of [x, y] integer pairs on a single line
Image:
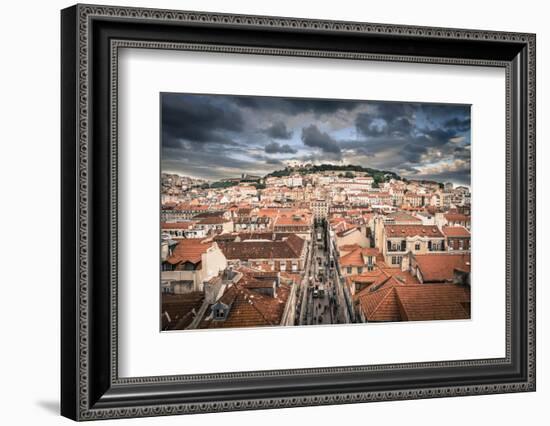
{"points": [[85, 14]]}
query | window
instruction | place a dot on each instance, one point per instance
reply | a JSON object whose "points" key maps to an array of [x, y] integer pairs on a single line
{"points": [[348, 269], [417, 246], [396, 260], [359, 269]]}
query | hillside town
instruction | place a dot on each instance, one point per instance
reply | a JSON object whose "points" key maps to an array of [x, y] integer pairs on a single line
{"points": [[312, 246]]}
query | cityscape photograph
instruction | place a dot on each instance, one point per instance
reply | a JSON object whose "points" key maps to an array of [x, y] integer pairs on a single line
{"points": [[279, 211]]}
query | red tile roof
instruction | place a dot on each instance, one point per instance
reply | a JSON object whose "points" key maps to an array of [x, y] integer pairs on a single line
{"points": [[456, 231], [292, 221], [191, 207], [440, 267], [380, 305], [457, 217], [189, 250], [355, 258], [249, 308], [371, 278], [403, 217], [422, 302], [176, 225], [393, 231], [426, 302], [348, 247], [290, 248], [404, 277], [181, 309]]}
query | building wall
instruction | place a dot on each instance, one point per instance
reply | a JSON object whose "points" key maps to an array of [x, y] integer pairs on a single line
{"points": [[416, 245], [454, 244], [289, 314], [195, 276], [356, 237], [213, 261]]}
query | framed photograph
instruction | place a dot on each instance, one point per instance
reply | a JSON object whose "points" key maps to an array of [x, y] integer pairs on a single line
{"points": [[263, 212]]}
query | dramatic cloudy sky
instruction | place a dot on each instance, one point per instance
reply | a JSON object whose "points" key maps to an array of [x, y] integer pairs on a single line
{"points": [[219, 136]]}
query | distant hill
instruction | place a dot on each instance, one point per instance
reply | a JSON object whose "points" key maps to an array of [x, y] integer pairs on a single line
{"points": [[347, 170], [379, 176]]}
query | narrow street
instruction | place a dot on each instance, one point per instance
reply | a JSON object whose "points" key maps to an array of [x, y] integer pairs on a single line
{"points": [[319, 301]]}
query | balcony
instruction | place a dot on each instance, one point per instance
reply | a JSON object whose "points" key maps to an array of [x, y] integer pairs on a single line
{"points": [[396, 250]]}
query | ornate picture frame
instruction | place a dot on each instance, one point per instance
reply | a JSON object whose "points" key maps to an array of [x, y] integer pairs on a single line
{"points": [[91, 37]]}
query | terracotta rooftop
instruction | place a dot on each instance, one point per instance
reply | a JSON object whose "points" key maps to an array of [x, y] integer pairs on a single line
{"points": [[404, 277], [213, 220], [179, 308], [293, 220], [272, 236], [176, 225], [202, 215], [290, 248], [346, 248], [394, 231], [440, 267], [244, 211], [269, 212], [249, 308], [422, 302], [457, 217], [370, 278], [426, 302], [356, 257], [403, 217], [380, 305], [189, 250], [191, 207], [456, 231]]}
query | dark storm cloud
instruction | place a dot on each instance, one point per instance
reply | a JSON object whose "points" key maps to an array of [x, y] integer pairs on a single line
{"points": [[462, 153], [443, 112], [199, 120], [216, 136], [433, 138], [313, 137], [274, 161], [386, 119], [277, 148], [411, 135], [360, 150], [294, 106], [210, 163], [413, 153], [461, 177], [458, 124], [278, 131], [370, 125]]}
